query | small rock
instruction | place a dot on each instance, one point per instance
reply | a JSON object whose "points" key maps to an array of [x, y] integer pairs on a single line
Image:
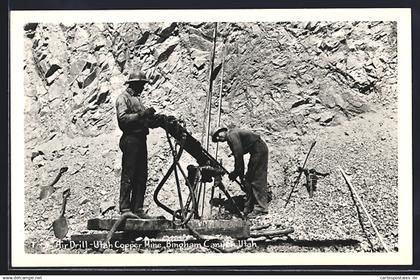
{"points": [[31, 26], [326, 118], [164, 50], [280, 61], [52, 135], [89, 78], [83, 201], [35, 154], [53, 76], [199, 42], [39, 161], [56, 91], [143, 38], [99, 43], [49, 67], [76, 168], [106, 206], [76, 67], [199, 62], [165, 31], [365, 246], [348, 172], [83, 151], [108, 169]]}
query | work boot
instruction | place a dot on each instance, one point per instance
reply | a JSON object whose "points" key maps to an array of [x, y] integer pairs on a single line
{"points": [[143, 215], [248, 204], [123, 211]]}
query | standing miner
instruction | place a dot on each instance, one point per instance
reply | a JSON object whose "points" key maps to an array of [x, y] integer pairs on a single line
{"points": [[255, 180], [133, 120]]}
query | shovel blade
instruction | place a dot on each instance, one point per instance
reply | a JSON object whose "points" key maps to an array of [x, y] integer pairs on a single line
{"points": [[60, 227], [46, 192]]}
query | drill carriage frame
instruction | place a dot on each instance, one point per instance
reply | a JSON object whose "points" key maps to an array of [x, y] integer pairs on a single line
{"points": [[185, 220]]}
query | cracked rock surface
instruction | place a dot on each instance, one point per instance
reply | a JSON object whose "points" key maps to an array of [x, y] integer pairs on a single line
{"points": [[291, 82]]}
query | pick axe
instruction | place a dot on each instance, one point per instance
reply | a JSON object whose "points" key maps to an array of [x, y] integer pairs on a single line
{"points": [[300, 173]]}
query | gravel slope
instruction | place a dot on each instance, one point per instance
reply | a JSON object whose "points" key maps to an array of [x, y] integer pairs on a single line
{"points": [[291, 82]]}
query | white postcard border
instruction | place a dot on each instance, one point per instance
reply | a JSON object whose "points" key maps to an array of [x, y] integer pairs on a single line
{"points": [[405, 215]]}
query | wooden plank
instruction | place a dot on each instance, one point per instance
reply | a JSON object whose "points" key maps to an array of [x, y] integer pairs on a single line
{"points": [[260, 227], [272, 233], [222, 224], [233, 232], [92, 237], [159, 228], [236, 228], [130, 224], [85, 240]]}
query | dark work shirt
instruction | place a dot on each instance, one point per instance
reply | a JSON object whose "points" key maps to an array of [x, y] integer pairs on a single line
{"points": [[241, 142], [130, 110]]}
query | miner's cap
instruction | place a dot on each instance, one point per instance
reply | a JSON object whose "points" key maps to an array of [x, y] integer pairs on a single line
{"points": [[137, 76], [217, 132]]}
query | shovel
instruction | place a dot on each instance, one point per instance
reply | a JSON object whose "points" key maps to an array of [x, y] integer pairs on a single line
{"points": [[46, 191], [60, 225]]}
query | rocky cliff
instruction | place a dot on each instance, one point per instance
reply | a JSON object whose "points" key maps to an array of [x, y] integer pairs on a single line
{"points": [[292, 82]]}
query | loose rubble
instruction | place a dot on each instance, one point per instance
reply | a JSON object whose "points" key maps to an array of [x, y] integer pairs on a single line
{"points": [[292, 83]]}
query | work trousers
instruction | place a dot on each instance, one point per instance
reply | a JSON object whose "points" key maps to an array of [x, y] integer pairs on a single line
{"points": [[256, 177], [134, 171]]}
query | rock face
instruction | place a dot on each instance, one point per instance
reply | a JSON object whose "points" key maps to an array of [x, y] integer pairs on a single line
{"points": [[313, 73], [288, 81]]}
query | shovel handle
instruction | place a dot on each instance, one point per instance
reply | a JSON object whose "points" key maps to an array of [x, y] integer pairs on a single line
{"points": [[62, 170], [66, 194]]}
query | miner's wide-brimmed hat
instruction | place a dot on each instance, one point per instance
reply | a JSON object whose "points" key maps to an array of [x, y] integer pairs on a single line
{"points": [[216, 133], [137, 76]]}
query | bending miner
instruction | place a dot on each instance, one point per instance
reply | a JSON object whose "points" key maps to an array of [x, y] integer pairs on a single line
{"points": [[133, 120], [242, 142]]}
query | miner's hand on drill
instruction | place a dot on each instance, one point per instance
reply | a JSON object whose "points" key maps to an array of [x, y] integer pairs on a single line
{"points": [[150, 111], [147, 113], [145, 117], [244, 185]]}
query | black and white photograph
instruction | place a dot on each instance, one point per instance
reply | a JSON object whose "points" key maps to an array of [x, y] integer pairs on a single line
{"points": [[266, 139]]}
